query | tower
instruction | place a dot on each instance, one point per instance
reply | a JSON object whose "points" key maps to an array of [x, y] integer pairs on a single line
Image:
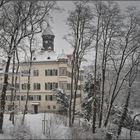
{"points": [[48, 39]]}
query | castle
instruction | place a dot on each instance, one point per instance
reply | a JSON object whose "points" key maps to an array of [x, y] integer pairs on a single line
{"points": [[49, 71]]}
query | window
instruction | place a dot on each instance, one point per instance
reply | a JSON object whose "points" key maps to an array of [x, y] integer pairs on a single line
{"points": [[48, 72], [46, 97], [51, 72], [55, 85], [35, 98], [54, 98], [37, 86], [25, 73], [25, 86], [23, 97], [54, 107], [30, 97], [50, 98], [8, 97], [63, 71], [36, 72], [54, 72], [46, 86], [48, 106], [0, 86], [17, 86], [50, 86], [10, 107], [38, 97], [9, 86], [68, 86], [17, 98], [63, 85], [68, 74]]}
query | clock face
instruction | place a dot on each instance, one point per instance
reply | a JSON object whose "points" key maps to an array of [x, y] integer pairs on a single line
{"points": [[46, 41], [49, 47]]}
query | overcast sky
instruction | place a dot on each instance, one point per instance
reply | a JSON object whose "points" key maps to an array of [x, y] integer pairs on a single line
{"points": [[60, 28]]}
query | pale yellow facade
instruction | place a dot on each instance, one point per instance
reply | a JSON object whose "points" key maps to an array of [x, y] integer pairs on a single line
{"points": [[43, 100]]}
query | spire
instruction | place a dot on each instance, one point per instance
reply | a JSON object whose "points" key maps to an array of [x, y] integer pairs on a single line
{"points": [[62, 55], [47, 30]]}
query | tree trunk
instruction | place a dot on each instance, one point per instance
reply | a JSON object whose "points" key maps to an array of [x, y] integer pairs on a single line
{"points": [[74, 103], [3, 94], [108, 113], [102, 100], [28, 89], [29, 78], [75, 93], [95, 74], [12, 90], [71, 97], [94, 116]]}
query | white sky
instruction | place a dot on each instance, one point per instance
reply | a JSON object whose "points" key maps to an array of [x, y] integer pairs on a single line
{"points": [[60, 28]]}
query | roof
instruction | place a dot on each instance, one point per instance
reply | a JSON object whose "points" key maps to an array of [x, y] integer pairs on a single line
{"points": [[47, 31], [45, 56]]}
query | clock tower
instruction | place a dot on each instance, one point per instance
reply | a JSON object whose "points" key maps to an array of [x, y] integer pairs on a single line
{"points": [[48, 39]]}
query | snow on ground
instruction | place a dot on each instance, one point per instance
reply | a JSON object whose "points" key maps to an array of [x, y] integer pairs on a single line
{"points": [[126, 134], [3, 136], [54, 126]]}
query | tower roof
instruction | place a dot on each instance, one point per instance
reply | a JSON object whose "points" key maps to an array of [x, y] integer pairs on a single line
{"points": [[47, 31]]}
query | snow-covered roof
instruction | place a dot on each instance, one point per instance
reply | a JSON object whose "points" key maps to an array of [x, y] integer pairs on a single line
{"points": [[45, 56]]}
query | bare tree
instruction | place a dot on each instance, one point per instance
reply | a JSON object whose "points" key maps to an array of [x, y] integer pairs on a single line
{"points": [[80, 38], [131, 78], [12, 22], [123, 48], [97, 38], [110, 24], [37, 16], [15, 27]]}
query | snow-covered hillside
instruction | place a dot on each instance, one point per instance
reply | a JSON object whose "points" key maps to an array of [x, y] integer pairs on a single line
{"points": [[56, 127], [34, 127]]}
